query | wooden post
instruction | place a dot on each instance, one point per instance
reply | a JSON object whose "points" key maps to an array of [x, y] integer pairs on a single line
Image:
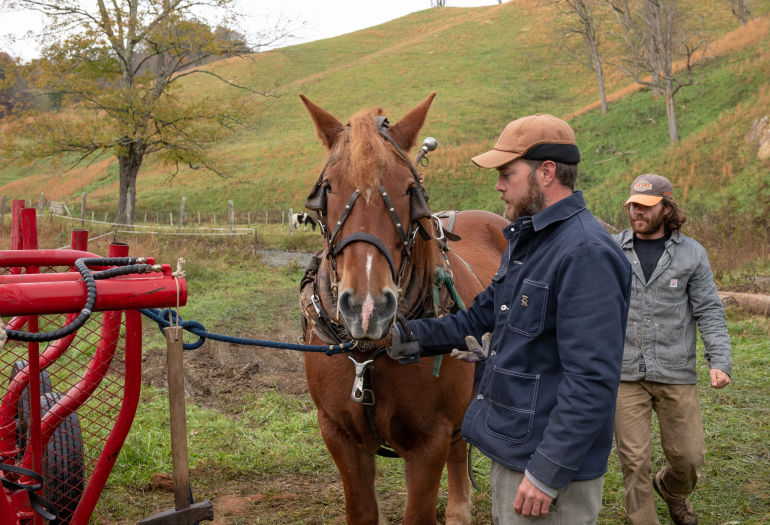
{"points": [[199, 218], [248, 218], [177, 417], [92, 215], [145, 217], [291, 214], [171, 218], [215, 218], [83, 210], [181, 214], [265, 216], [231, 215], [106, 213], [41, 204], [255, 239], [2, 211]]}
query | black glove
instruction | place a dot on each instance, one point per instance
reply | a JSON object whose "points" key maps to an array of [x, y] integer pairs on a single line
{"points": [[402, 348], [476, 352]]}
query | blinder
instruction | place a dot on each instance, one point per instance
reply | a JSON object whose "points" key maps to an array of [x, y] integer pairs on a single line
{"points": [[316, 201]]}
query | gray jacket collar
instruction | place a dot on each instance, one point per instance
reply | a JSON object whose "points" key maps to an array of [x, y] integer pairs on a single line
{"points": [[627, 238]]}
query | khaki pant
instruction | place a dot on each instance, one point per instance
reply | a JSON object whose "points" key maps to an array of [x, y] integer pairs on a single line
{"points": [[578, 503], [681, 437]]}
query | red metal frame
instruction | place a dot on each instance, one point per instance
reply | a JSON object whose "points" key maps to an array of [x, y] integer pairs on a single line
{"points": [[27, 295]]}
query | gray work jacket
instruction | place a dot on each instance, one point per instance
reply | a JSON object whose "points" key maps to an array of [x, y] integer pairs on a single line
{"points": [[661, 329]]}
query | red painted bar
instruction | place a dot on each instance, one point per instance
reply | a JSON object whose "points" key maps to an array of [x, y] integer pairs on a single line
{"points": [[79, 240], [117, 437], [152, 291]]}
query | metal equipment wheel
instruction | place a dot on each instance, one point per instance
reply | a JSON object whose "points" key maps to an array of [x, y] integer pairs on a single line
{"points": [[22, 406], [63, 464]]}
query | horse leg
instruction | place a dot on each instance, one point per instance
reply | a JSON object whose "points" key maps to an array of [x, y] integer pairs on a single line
{"points": [[458, 509], [423, 471], [357, 469]]}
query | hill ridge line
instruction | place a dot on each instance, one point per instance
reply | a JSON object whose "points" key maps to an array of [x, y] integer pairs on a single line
{"points": [[456, 20]]}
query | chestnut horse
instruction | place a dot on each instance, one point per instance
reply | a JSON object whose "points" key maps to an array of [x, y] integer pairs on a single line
{"points": [[382, 248]]}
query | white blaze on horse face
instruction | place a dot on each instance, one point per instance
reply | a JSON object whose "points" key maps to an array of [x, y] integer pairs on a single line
{"points": [[366, 312], [368, 267], [368, 307]]}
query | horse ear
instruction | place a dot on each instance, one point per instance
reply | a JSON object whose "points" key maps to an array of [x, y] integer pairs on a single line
{"points": [[327, 127], [406, 130]]}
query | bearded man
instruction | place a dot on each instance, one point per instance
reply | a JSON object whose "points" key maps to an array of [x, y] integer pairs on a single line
{"points": [[673, 290], [551, 324]]}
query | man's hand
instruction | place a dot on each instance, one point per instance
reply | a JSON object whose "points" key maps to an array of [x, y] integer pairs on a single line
{"points": [[531, 501], [719, 379], [476, 352], [403, 349]]}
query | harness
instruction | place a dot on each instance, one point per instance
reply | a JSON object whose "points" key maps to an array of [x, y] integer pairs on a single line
{"points": [[419, 209], [415, 298]]}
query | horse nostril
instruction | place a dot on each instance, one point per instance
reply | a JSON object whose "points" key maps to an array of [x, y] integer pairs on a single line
{"points": [[346, 302], [391, 302]]}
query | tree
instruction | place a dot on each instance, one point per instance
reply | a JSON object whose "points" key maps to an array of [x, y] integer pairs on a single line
{"points": [[658, 35], [116, 67], [742, 10], [583, 12]]}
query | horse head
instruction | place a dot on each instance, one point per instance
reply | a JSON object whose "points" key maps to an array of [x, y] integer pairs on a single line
{"points": [[371, 206]]}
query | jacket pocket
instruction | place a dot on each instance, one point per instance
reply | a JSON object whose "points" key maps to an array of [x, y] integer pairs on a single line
{"points": [[511, 405], [528, 306]]}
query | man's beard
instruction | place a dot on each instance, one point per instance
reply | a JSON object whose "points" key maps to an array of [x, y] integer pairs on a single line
{"points": [[648, 226], [532, 202]]}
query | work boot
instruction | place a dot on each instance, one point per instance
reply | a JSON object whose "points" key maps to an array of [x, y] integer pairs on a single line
{"points": [[679, 509]]}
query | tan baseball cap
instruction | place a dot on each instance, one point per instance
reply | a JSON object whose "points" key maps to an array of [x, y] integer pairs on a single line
{"points": [[649, 189], [536, 137]]}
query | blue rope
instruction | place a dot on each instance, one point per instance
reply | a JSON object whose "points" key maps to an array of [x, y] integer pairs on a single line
{"points": [[165, 317]]}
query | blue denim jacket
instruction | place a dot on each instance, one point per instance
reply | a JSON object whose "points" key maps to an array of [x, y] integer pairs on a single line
{"points": [[661, 334], [557, 307]]}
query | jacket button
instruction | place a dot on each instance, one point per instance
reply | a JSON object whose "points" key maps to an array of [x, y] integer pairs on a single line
{"points": [[504, 307], [479, 397]]}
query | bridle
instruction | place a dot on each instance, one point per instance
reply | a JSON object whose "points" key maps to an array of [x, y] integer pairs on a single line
{"points": [[419, 209]]}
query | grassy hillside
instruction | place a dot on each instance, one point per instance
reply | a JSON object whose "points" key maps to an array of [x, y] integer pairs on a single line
{"points": [[488, 65]]}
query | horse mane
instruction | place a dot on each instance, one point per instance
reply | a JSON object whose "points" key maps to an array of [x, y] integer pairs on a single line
{"points": [[363, 156]]}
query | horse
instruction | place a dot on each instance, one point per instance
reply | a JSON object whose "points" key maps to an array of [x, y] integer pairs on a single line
{"points": [[382, 255], [302, 218]]}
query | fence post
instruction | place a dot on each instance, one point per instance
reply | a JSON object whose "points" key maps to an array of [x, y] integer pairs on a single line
{"points": [[291, 214], [106, 213], [181, 214], [265, 216], [83, 210], [215, 218], [231, 215], [248, 218], [41, 204], [2, 211], [145, 217], [255, 239], [171, 218], [199, 218]]}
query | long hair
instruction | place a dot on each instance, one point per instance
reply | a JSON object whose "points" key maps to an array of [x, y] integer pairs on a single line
{"points": [[675, 217]]}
